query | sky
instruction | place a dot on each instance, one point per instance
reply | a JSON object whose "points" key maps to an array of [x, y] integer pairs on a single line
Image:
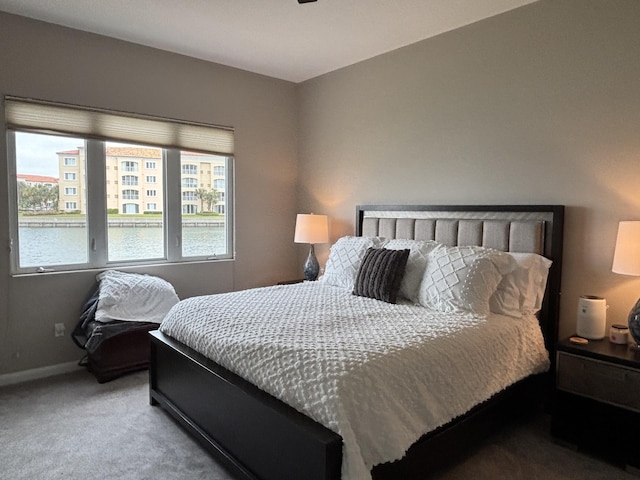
{"points": [[36, 154]]}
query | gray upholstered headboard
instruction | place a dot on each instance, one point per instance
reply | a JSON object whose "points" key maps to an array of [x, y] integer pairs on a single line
{"points": [[510, 228], [506, 231]]}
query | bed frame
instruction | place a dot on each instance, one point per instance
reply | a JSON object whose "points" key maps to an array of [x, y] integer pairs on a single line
{"points": [[259, 437]]}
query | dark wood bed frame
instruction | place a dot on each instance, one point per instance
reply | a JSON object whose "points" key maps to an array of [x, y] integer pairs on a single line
{"points": [[258, 437]]}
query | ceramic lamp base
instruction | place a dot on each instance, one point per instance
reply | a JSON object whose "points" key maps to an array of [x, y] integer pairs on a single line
{"points": [[634, 323], [311, 266]]}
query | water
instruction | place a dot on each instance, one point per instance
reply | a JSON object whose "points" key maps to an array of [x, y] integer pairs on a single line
{"points": [[67, 246]]}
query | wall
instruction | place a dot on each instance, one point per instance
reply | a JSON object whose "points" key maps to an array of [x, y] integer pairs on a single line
{"points": [[49, 62], [539, 105]]}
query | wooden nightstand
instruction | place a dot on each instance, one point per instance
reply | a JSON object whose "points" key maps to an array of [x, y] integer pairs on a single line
{"points": [[597, 400]]}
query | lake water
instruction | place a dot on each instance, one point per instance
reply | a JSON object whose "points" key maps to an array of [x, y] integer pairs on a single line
{"points": [[64, 246]]}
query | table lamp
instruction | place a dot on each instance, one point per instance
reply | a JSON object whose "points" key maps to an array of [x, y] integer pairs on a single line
{"points": [[311, 229], [626, 260]]}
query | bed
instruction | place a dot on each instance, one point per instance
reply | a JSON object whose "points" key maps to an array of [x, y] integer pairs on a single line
{"points": [[262, 437]]}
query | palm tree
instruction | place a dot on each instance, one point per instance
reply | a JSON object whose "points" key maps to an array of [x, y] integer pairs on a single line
{"points": [[212, 198], [201, 194]]}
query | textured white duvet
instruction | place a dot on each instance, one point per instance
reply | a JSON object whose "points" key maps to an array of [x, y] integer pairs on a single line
{"points": [[380, 375]]}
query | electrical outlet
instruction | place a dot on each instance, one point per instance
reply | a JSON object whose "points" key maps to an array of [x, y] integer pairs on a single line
{"points": [[58, 329]]}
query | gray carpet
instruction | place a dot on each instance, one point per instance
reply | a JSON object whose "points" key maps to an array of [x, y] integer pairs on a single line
{"points": [[71, 427]]}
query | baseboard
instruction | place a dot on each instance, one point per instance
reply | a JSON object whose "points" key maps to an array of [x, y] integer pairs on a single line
{"points": [[37, 373]]}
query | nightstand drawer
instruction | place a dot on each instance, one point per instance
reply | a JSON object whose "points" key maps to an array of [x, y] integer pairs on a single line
{"points": [[601, 381]]}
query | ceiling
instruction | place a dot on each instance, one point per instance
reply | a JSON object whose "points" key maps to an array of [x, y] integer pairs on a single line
{"points": [[278, 38]]}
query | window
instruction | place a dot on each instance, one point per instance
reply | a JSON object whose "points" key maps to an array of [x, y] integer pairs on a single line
{"points": [[189, 209], [190, 182], [189, 169], [129, 208], [218, 183], [102, 213], [152, 193], [189, 196], [130, 194], [218, 171], [130, 166], [129, 180]]}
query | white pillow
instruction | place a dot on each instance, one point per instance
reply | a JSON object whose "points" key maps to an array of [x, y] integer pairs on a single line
{"points": [[522, 291], [133, 297], [416, 264], [463, 278], [345, 258]]}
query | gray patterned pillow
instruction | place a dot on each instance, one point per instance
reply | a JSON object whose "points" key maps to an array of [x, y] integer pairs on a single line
{"points": [[380, 274], [345, 258]]}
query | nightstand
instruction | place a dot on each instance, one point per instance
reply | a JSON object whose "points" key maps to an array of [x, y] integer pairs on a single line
{"points": [[597, 400]]}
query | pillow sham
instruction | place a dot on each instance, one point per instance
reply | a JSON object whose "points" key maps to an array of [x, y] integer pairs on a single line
{"points": [[522, 291], [463, 278], [133, 297], [345, 257], [380, 274], [416, 264]]}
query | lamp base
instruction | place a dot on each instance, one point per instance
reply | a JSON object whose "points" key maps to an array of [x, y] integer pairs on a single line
{"points": [[311, 266], [634, 323]]}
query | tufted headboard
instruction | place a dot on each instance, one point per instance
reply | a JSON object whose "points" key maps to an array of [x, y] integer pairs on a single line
{"points": [[510, 228]]}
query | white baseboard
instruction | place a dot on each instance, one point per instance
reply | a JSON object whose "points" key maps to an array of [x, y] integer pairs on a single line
{"points": [[37, 373]]}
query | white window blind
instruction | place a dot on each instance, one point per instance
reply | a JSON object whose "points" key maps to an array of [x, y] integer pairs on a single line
{"points": [[50, 117]]}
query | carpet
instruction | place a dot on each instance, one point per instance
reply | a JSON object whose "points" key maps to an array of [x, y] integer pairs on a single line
{"points": [[71, 427]]}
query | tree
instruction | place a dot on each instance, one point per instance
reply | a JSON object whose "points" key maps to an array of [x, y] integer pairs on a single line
{"points": [[208, 197], [37, 197], [53, 197], [211, 199], [22, 202], [201, 194]]}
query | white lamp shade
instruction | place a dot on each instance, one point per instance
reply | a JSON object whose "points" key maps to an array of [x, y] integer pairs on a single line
{"points": [[626, 259], [311, 228]]}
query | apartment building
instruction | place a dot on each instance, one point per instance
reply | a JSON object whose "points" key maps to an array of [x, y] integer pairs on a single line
{"points": [[134, 178]]}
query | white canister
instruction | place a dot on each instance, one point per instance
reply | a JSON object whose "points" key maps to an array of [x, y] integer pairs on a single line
{"points": [[619, 334], [592, 317]]}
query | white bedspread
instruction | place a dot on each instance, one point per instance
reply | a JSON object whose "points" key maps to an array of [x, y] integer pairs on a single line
{"points": [[380, 375]]}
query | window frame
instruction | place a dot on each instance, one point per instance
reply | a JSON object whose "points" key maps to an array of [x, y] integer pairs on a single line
{"points": [[95, 126], [96, 215]]}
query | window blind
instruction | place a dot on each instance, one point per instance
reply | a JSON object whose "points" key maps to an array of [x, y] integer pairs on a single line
{"points": [[59, 118]]}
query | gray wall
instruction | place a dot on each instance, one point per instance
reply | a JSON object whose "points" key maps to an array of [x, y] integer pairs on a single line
{"points": [[537, 105], [54, 63]]}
